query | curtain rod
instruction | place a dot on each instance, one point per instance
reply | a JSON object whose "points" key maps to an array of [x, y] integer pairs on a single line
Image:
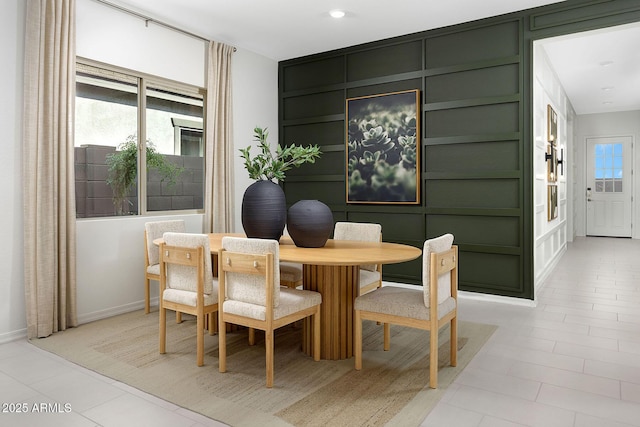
{"points": [[148, 19]]}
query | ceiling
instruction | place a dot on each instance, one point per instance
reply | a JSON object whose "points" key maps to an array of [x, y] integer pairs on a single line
{"points": [[599, 70], [285, 29]]}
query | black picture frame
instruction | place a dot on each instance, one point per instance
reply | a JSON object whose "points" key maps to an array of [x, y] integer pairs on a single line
{"points": [[383, 148]]}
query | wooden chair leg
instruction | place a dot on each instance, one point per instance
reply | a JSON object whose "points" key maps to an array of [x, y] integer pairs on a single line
{"points": [[454, 341], [222, 346], [163, 330], [387, 336], [211, 326], [378, 287], [178, 317], [357, 339], [268, 344], [200, 339], [316, 335], [147, 306], [252, 336], [433, 358]]}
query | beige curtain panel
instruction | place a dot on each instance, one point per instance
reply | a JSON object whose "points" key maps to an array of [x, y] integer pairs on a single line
{"points": [[48, 169], [218, 199]]}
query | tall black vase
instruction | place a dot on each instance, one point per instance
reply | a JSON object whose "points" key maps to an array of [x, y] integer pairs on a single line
{"points": [[264, 210]]}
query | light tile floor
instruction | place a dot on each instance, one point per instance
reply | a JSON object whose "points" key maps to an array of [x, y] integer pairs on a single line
{"points": [[40, 389], [572, 361]]}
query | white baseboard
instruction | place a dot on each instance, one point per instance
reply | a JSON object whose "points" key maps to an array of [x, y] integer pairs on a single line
{"points": [[522, 302], [477, 296], [13, 336], [400, 285], [84, 318], [114, 311], [542, 278]]}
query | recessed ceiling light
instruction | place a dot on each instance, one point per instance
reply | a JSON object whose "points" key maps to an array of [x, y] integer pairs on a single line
{"points": [[607, 103], [606, 63], [336, 13], [607, 88]]}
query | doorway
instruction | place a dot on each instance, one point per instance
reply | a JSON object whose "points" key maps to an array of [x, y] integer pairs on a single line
{"points": [[609, 186]]}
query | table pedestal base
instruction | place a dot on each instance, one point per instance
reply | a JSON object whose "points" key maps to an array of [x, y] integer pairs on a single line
{"points": [[339, 288]]}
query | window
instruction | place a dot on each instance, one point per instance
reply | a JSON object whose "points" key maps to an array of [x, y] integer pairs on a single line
{"points": [[188, 138], [124, 120], [608, 168]]}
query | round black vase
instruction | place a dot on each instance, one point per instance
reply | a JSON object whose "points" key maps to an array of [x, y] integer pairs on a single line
{"points": [[309, 223], [264, 210]]}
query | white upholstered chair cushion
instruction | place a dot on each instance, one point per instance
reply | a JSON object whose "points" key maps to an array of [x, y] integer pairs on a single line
{"points": [[436, 245], [363, 232], [401, 302], [156, 230], [291, 301], [290, 272], [189, 298], [154, 269], [250, 288], [183, 278]]}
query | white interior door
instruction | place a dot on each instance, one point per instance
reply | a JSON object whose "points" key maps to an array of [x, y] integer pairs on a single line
{"points": [[609, 182]]}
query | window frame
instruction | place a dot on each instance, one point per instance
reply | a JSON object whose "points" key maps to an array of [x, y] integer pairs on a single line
{"points": [[148, 80]]}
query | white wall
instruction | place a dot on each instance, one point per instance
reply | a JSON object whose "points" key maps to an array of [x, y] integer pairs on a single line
{"points": [[550, 237], [255, 94], [12, 311], [108, 35], [599, 125], [105, 35], [110, 268], [110, 251]]}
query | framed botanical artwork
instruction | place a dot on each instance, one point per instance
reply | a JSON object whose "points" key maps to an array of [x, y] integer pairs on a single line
{"points": [[552, 125], [383, 148], [552, 202]]}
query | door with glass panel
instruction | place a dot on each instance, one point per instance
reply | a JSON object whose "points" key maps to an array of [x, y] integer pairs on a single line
{"points": [[609, 186]]}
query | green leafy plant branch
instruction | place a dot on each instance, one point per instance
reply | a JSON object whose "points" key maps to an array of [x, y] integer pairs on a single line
{"points": [[267, 166]]}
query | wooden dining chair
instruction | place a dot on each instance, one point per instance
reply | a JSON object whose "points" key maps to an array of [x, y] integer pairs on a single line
{"points": [[152, 231], [250, 295], [370, 274], [430, 308], [187, 284]]}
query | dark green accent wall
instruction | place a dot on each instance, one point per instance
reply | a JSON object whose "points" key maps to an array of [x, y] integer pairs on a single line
{"points": [[475, 83]]}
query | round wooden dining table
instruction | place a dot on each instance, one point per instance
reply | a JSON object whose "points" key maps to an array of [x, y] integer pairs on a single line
{"points": [[334, 271]]}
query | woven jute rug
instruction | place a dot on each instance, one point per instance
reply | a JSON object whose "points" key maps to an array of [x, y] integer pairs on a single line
{"points": [[392, 388]]}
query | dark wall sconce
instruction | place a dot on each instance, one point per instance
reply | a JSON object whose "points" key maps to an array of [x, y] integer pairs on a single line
{"points": [[561, 161], [552, 157]]}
